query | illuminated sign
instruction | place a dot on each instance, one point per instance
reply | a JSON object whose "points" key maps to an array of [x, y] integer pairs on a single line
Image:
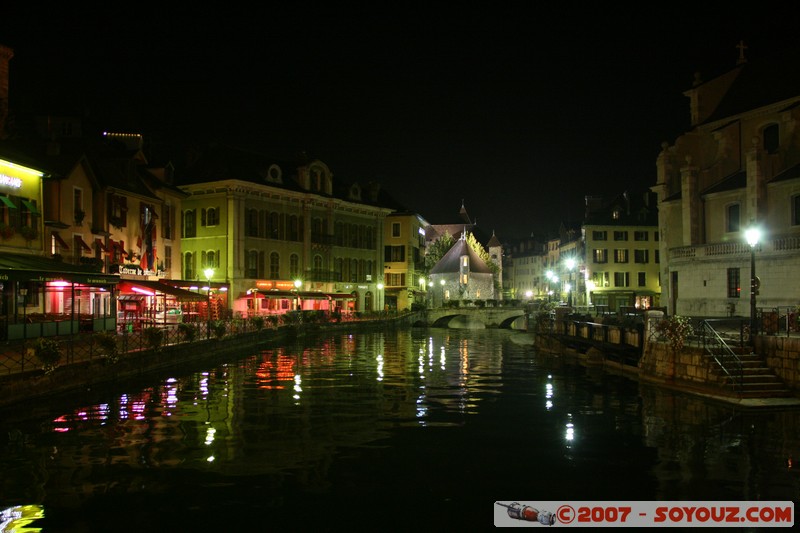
{"points": [[9, 181]]}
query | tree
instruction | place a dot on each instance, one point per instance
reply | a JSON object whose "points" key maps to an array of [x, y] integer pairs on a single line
{"points": [[483, 254], [436, 251]]}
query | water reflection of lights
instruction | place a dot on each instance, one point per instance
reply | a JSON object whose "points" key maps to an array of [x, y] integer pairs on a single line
{"points": [[380, 367], [570, 433], [210, 432], [548, 394], [297, 388]]}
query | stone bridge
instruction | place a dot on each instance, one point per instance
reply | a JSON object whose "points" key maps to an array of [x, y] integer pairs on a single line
{"points": [[475, 317]]}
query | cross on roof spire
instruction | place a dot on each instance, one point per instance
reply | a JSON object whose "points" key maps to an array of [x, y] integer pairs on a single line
{"points": [[742, 47]]}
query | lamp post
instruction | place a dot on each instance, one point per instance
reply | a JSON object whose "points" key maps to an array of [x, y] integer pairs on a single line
{"points": [[297, 284], [570, 263], [209, 273], [441, 282], [753, 235]]}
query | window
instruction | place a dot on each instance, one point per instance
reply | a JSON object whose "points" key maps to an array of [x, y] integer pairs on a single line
{"points": [[642, 279], [641, 256], [294, 266], [77, 204], [616, 213], [318, 263], [622, 279], [274, 266], [166, 221], [601, 279], [600, 255], [771, 139], [396, 280], [251, 223], [188, 265], [252, 264], [657, 256], [600, 235], [641, 235], [294, 229], [167, 258], [209, 216], [620, 235], [118, 211], [732, 218], [394, 254], [273, 226], [395, 229], [796, 210], [620, 255], [734, 285], [189, 224], [209, 259]]}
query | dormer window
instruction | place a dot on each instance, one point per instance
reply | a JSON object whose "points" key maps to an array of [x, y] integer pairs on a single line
{"points": [[771, 139], [616, 213]]}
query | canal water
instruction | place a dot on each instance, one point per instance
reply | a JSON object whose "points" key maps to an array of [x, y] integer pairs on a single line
{"points": [[396, 429]]}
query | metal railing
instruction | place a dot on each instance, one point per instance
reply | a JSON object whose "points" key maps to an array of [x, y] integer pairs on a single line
{"points": [[718, 348]]}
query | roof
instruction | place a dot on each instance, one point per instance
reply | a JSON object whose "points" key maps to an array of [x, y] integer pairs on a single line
{"points": [[451, 261], [737, 180], [758, 83]]}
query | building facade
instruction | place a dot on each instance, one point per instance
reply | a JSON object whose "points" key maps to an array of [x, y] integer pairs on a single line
{"points": [[738, 167], [281, 236], [404, 260], [622, 253]]}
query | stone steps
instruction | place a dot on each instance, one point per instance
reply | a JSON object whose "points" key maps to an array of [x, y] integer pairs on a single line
{"points": [[757, 379]]}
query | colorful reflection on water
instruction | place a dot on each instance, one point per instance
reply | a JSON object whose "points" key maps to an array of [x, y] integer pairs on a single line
{"points": [[424, 427]]}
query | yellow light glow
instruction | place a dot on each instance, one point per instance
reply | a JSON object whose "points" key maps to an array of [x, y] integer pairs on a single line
{"points": [[19, 168]]}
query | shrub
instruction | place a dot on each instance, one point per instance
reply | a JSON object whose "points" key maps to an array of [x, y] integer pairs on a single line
{"points": [[106, 345], [674, 329], [48, 351], [153, 337], [257, 322], [188, 331], [218, 327]]}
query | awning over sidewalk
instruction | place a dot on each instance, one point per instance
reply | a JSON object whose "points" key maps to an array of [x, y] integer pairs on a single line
{"points": [[155, 287], [17, 267]]}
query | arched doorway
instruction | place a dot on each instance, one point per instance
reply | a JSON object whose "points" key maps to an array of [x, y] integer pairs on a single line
{"points": [[368, 301]]}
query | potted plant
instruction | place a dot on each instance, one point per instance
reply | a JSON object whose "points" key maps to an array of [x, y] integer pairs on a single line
{"points": [[28, 232], [107, 346], [48, 352], [153, 337], [6, 231], [218, 327], [188, 331]]}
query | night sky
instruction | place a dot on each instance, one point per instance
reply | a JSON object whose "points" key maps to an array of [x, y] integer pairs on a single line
{"points": [[519, 112]]}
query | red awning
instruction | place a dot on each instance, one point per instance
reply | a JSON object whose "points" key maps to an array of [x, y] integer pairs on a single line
{"points": [[101, 246], [60, 241], [80, 242]]}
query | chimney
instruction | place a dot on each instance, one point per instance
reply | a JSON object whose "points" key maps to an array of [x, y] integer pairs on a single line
{"points": [[6, 54]]}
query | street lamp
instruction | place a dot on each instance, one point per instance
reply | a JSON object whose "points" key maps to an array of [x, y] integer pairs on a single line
{"points": [[570, 263], [752, 235], [441, 282], [297, 284], [209, 273]]}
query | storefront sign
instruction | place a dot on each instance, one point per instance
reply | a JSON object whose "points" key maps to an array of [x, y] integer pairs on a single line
{"points": [[128, 271], [10, 181]]}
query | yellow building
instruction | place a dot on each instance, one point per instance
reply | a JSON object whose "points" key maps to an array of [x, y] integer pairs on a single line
{"points": [[622, 253], [404, 251], [281, 234]]}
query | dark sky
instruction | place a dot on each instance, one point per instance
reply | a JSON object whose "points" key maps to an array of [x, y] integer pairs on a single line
{"points": [[519, 111]]}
